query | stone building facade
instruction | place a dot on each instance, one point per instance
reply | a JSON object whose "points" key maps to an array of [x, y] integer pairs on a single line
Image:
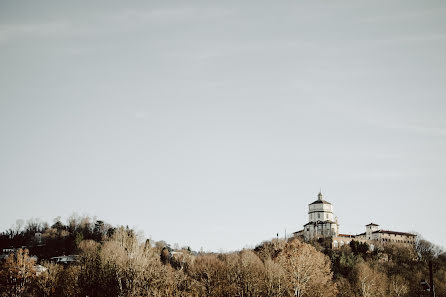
{"points": [[322, 223], [321, 220]]}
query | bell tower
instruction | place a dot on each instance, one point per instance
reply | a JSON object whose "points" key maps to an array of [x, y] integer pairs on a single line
{"points": [[369, 229]]}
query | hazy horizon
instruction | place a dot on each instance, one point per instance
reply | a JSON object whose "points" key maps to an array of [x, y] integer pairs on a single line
{"points": [[214, 125]]}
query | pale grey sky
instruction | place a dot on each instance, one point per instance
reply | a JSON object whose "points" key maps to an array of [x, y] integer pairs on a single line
{"points": [[213, 124]]}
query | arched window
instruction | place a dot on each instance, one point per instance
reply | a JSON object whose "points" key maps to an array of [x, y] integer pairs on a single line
{"points": [[335, 244], [341, 243], [372, 247]]}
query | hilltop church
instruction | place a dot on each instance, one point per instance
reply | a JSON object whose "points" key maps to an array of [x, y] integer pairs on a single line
{"points": [[323, 224]]}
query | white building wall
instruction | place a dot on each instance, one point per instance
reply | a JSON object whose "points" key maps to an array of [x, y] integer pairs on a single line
{"points": [[318, 214]]}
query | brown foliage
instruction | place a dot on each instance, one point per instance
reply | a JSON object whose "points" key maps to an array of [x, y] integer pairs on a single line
{"points": [[345, 287], [275, 279], [47, 282], [121, 265], [369, 281], [210, 273], [270, 249], [247, 273], [398, 286], [17, 274], [308, 271]]}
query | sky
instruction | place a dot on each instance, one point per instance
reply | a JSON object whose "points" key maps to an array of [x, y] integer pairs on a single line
{"points": [[213, 124]]}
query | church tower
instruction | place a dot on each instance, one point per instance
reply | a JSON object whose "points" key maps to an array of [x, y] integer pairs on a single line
{"points": [[321, 220], [369, 229]]}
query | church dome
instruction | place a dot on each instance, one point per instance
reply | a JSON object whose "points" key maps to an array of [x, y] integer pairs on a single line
{"points": [[320, 199]]}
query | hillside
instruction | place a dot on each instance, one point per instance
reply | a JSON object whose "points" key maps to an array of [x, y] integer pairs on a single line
{"points": [[113, 261]]}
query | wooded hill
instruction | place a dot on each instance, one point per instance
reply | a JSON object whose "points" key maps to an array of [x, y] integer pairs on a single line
{"points": [[113, 261]]}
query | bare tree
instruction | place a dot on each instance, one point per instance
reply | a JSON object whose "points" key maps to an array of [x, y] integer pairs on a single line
{"points": [[369, 281], [18, 226], [275, 281], [398, 286], [134, 268], [246, 272], [426, 250], [33, 226], [308, 271], [209, 271]]}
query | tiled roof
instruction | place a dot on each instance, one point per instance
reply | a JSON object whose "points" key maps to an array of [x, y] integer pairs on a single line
{"points": [[346, 235], [372, 224], [394, 232]]}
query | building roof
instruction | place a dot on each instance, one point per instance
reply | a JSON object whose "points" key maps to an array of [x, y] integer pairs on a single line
{"points": [[346, 235], [320, 199], [394, 232], [371, 224], [320, 222], [298, 231]]}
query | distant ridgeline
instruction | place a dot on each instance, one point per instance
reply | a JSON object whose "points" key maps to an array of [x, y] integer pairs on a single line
{"points": [[323, 224]]}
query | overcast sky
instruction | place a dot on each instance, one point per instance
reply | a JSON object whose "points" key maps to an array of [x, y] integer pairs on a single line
{"points": [[214, 124]]}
